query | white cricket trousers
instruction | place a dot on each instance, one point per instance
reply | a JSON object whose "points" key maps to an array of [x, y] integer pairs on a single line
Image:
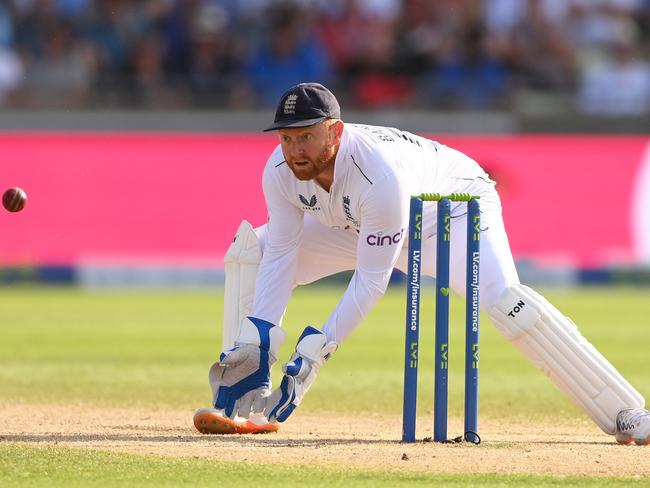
{"points": [[325, 251]]}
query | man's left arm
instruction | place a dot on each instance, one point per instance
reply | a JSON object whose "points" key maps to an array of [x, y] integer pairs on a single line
{"points": [[384, 218], [384, 222]]}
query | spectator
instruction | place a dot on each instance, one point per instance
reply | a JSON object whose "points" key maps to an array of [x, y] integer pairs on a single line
{"points": [[72, 9], [216, 54], [343, 33], [542, 57], [378, 53], [11, 67], [11, 73], [150, 86], [378, 76], [62, 75], [642, 18], [618, 86], [288, 55], [471, 73]]}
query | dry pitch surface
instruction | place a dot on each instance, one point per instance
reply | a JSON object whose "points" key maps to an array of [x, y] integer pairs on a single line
{"points": [[357, 443]]}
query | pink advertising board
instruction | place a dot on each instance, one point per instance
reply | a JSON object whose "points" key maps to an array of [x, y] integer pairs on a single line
{"points": [[178, 198]]}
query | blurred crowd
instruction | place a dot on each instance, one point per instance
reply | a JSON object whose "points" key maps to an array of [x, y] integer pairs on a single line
{"points": [[437, 54]]}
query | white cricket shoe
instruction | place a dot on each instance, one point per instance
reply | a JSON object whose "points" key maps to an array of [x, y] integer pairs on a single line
{"points": [[633, 424]]}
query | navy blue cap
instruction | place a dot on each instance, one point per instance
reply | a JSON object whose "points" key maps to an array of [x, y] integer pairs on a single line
{"points": [[303, 105]]}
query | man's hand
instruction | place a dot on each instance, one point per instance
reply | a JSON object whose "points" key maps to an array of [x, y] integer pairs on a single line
{"points": [[300, 372], [241, 379]]}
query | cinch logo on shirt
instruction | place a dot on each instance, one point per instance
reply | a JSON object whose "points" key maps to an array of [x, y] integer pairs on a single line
{"points": [[379, 239], [309, 204]]}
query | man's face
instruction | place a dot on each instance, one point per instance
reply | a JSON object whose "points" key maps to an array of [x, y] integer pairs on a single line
{"points": [[309, 151]]}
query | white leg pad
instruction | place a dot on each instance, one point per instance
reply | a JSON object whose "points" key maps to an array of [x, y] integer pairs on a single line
{"points": [[553, 344], [240, 263]]}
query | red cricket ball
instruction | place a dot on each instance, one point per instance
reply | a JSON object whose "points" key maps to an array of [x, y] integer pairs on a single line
{"points": [[14, 199]]}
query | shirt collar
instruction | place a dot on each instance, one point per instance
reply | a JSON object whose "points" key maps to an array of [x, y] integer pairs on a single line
{"points": [[341, 161]]}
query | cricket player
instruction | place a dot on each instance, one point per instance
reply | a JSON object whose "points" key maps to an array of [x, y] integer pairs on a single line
{"points": [[338, 199]]}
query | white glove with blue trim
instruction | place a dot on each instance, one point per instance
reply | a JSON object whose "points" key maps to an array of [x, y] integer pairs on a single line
{"points": [[300, 372], [241, 379]]}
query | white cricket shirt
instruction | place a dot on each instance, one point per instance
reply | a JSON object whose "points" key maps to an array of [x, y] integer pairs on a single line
{"points": [[376, 171]]}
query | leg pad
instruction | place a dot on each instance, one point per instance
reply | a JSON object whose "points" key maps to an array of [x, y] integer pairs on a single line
{"points": [[241, 263], [553, 344]]}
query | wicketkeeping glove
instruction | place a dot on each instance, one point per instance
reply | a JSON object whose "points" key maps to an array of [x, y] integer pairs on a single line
{"points": [[241, 379], [300, 372]]}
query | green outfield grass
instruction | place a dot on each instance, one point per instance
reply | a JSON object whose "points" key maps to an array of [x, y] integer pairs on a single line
{"points": [[153, 349], [72, 468]]}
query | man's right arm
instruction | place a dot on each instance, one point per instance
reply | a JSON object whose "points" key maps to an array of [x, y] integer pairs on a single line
{"points": [[275, 278], [240, 380]]}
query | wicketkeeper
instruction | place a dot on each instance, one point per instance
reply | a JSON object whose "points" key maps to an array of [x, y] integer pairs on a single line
{"points": [[338, 199]]}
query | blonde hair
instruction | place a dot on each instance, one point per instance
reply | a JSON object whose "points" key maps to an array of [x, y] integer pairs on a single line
{"points": [[330, 122]]}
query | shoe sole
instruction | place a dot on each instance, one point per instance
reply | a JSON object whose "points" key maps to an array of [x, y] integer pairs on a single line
{"points": [[209, 422], [623, 440], [626, 439]]}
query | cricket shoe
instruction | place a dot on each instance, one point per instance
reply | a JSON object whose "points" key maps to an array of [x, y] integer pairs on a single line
{"points": [[633, 424], [212, 421]]}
